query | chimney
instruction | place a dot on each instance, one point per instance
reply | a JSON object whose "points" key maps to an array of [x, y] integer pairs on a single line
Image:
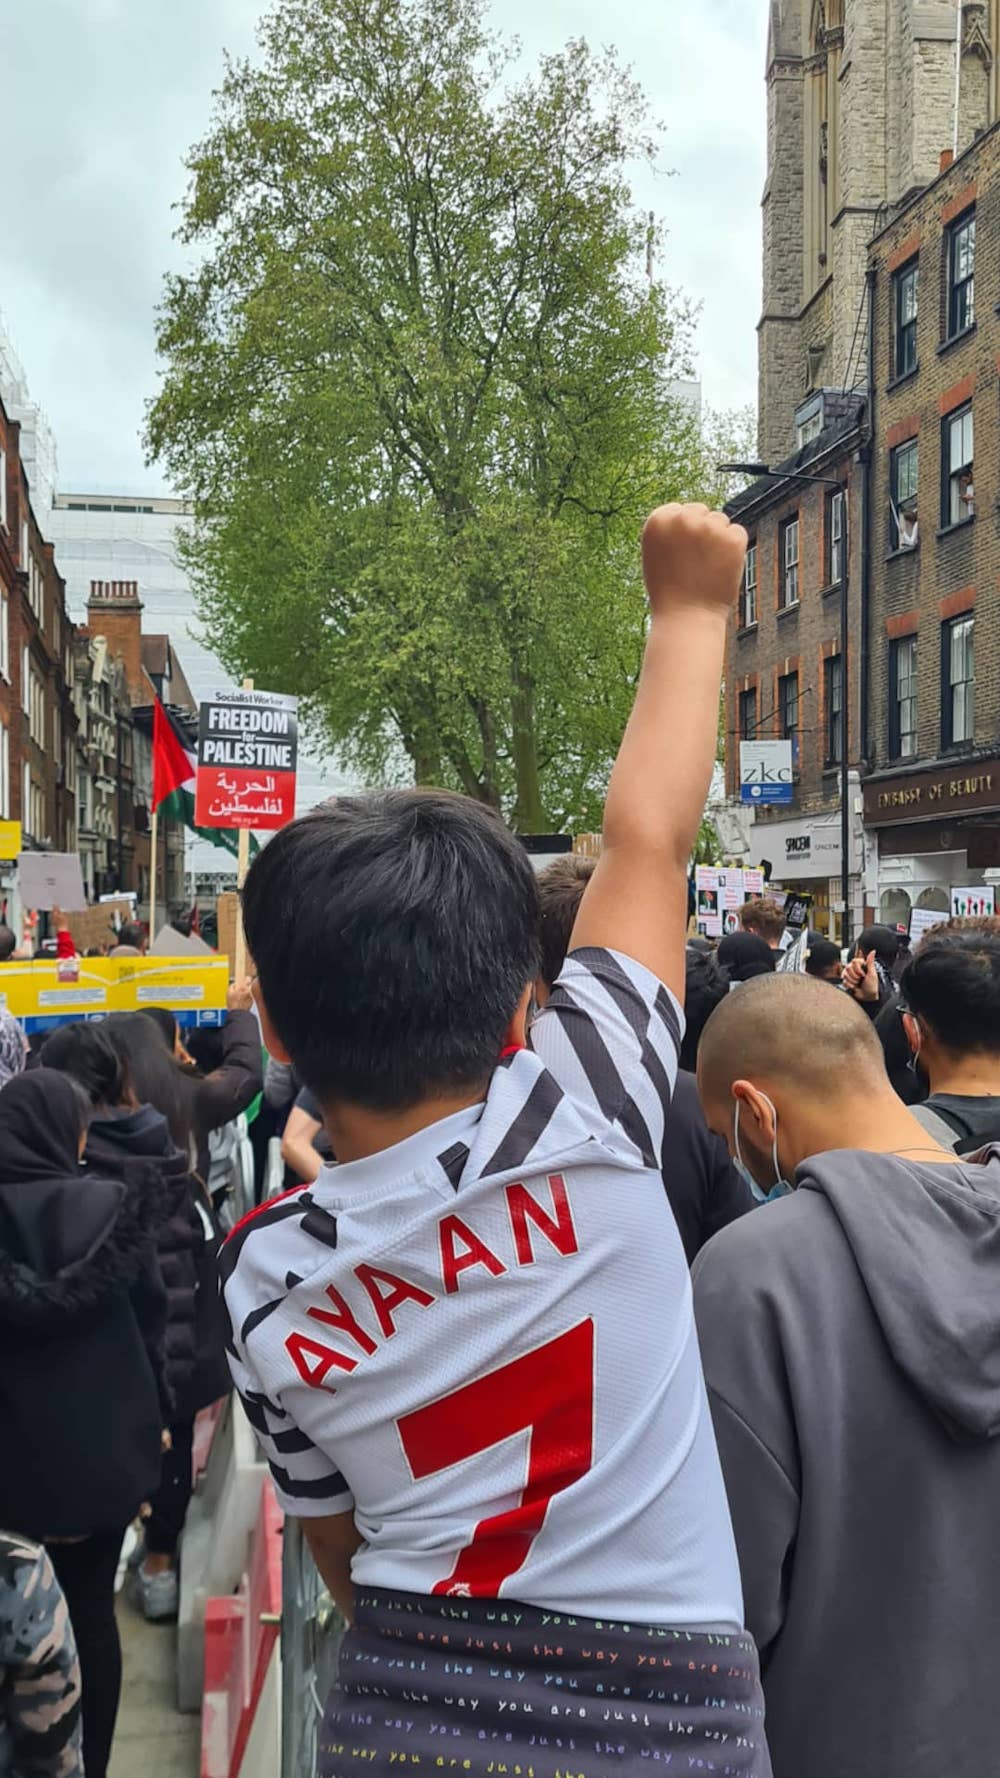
{"points": [[947, 159], [114, 611]]}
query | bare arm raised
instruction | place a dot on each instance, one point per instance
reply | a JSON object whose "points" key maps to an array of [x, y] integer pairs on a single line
{"points": [[636, 901]]}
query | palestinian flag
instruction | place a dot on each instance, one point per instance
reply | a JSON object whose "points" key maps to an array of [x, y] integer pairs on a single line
{"points": [[174, 768]]}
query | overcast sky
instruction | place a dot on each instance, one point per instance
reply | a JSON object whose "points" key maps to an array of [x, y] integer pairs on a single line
{"points": [[102, 98]]}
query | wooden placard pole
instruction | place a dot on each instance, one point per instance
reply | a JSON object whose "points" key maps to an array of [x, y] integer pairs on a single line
{"points": [[242, 866], [154, 865]]}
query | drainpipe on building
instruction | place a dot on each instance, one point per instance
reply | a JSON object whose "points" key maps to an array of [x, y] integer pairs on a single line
{"points": [[867, 507]]}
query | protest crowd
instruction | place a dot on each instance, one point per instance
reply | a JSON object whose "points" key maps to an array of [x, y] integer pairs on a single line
{"points": [[626, 1340]]}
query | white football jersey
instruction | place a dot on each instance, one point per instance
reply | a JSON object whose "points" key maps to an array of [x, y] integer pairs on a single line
{"points": [[481, 1341]]}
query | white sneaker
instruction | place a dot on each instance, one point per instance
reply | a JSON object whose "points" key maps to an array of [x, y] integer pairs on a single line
{"points": [[158, 1595]]}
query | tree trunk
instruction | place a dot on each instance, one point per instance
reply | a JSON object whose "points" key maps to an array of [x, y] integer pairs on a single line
{"points": [[529, 815]]}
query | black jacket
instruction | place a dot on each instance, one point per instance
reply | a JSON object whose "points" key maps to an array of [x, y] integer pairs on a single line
{"points": [[82, 1312], [137, 1147], [703, 1186], [219, 1097]]}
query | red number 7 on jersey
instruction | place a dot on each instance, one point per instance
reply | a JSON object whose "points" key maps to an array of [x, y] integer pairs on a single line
{"points": [[548, 1393]]}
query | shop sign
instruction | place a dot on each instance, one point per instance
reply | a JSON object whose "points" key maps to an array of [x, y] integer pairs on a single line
{"points": [[918, 796]]}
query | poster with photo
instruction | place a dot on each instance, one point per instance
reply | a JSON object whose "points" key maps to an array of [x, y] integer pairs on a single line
{"points": [[709, 926], [708, 904], [730, 922], [753, 884], [973, 904], [732, 888]]}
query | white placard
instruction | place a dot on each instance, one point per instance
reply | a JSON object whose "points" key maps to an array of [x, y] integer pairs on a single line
{"points": [[50, 880]]}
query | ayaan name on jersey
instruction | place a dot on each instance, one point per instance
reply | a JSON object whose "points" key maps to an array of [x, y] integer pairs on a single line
{"points": [[460, 1250]]}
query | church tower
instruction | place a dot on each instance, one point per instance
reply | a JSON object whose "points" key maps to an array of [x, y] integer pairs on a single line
{"points": [[861, 109]]}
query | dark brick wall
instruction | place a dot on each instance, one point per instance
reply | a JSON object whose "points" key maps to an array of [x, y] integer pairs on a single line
{"points": [[802, 639], [953, 570]]}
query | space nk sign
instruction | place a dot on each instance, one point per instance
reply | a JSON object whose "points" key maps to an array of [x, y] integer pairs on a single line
{"points": [[766, 772], [247, 753]]}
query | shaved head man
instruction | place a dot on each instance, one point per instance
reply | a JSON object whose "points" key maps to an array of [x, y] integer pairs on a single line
{"points": [[850, 1335], [765, 1065]]}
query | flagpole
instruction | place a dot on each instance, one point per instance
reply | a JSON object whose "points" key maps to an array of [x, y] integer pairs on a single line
{"points": [[154, 835], [242, 866]]}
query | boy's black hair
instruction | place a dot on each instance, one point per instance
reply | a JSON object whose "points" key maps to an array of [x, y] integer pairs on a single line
{"points": [[131, 934], [8, 943], [393, 936], [705, 986], [953, 984], [86, 1052]]}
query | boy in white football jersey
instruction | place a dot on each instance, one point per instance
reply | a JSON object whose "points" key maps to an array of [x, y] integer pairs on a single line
{"points": [[468, 1350]]}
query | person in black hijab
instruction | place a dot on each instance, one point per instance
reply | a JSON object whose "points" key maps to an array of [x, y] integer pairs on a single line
{"points": [[744, 955], [83, 1400]]}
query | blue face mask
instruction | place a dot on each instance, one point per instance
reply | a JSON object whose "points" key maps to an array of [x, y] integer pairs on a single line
{"points": [[781, 1186]]}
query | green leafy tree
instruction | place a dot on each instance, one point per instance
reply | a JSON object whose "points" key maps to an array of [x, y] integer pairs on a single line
{"points": [[416, 388]]}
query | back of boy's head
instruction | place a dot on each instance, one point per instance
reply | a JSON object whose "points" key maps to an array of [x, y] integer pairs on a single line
{"points": [[8, 943], [393, 937], [560, 891]]}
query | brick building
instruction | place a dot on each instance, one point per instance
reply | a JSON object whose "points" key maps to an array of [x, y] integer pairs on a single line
{"points": [[932, 801], [122, 673], [871, 298], [784, 675], [37, 719]]}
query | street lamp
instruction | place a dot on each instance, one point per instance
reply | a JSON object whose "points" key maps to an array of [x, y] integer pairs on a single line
{"points": [[757, 470]]}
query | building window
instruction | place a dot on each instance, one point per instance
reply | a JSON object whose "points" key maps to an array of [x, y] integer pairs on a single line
{"points": [[790, 563], [36, 589], [961, 275], [788, 712], [904, 531], [3, 488], [903, 698], [958, 493], [748, 600], [836, 534], [26, 681], [834, 676], [904, 357], [748, 714], [26, 799], [958, 681]]}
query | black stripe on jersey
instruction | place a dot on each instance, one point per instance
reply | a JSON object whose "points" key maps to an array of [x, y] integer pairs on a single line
{"points": [[452, 1163], [256, 1316], [320, 1224], [631, 1120], [659, 1079], [617, 985], [291, 1280], [591, 1052], [532, 1120], [265, 1219], [288, 1443], [257, 1407], [324, 1487], [667, 1011]]}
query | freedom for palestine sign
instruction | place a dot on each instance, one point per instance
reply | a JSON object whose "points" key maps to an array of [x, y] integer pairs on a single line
{"points": [[247, 758]]}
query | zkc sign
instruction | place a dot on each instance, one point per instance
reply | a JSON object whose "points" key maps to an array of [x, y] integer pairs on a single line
{"points": [[247, 755], [766, 772]]}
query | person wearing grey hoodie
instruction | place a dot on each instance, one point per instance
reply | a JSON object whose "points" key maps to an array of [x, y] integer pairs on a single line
{"points": [[850, 1335]]}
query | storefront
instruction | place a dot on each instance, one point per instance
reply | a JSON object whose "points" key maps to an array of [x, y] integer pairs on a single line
{"points": [[936, 830], [805, 855]]}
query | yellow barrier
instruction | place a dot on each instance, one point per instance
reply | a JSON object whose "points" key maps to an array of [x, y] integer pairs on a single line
{"points": [[192, 987]]}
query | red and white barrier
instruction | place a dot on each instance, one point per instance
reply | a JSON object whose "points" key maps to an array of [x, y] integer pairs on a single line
{"points": [[241, 1636]]}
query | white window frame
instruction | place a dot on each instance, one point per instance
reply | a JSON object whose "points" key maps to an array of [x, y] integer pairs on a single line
{"points": [[790, 530], [749, 599]]}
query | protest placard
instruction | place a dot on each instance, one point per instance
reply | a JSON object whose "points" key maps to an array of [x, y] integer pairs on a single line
{"points": [[247, 752], [50, 880]]}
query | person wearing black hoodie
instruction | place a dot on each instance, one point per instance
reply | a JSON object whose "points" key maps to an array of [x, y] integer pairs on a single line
{"points": [[83, 1395], [850, 1336], [140, 1127]]}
